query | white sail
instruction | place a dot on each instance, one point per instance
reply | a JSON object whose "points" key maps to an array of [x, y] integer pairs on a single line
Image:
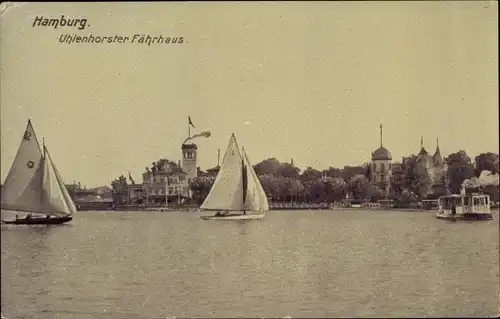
{"points": [[54, 200], [69, 202], [33, 184], [256, 199], [22, 189], [227, 190]]}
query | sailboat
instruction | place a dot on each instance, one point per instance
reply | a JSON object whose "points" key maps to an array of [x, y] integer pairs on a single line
{"points": [[34, 186], [237, 193]]}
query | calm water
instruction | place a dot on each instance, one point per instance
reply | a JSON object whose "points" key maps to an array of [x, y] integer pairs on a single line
{"points": [[350, 263]]}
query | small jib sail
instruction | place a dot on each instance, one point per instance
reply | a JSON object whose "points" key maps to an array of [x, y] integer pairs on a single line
{"points": [[33, 184], [236, 187]]}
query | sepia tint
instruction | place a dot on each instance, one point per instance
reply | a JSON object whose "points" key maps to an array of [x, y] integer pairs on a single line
{"points": [[249, 160]]}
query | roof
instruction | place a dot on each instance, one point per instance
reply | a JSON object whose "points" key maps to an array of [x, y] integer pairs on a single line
{"points": [[397, 168], [186, 146], [381, 154], [422, 152], [437, 156]]}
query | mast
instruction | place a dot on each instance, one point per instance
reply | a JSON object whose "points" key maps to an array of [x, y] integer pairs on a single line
{"points": [[43, 197], [244, 177]]}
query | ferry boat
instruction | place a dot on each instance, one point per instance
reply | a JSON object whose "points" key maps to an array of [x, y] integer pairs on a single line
{"points": [[464, 207]]}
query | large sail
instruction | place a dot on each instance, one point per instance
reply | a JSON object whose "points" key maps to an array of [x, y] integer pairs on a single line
{"points": [[69, 202], [227, 190], [22, 189], [54, 201], [256, 198]]}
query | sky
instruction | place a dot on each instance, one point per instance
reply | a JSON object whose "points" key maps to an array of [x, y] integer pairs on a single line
{"points": [[310, 81]]}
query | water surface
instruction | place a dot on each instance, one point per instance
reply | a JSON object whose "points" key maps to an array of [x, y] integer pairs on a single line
{"points": [[339, 263]]}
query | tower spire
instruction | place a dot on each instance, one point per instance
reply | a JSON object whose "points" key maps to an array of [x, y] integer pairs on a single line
{"points": [[380, 135], [438, 152], [421, 141]]}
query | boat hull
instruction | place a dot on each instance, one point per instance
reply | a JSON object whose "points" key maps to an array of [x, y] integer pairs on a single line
{"points": [[469, 216], [39, 221], [234, 217]]}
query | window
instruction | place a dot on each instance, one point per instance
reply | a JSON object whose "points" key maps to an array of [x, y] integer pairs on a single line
{"points": [[382, 167]]}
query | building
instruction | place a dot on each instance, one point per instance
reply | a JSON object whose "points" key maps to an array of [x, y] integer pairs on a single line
{"points": [[435, 166], [189, 153], [99, 198], [134, 194], [215, 170], [381, 167], [397, 178], [165, 181]]}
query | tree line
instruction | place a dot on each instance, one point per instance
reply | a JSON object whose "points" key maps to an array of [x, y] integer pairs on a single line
{"points": [[283, 182]]}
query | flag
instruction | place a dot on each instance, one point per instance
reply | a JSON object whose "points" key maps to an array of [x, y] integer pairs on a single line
{"points": [[190, 122]]}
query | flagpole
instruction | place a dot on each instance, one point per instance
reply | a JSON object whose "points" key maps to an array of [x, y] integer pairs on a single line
{"points": [[189, 128]]}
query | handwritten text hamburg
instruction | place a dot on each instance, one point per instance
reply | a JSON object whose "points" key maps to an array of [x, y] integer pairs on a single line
{"points": [[80, 24]]}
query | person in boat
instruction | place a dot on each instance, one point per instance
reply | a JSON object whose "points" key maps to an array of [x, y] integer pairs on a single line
{"points": [[17, 217], [453, 210], [28, 216], [218, 214], [244, 212]]}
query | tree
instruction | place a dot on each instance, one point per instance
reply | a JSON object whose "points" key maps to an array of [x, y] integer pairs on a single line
{"points": [[367, 170], [317, 190], [200, 187], [119, 187], [334, 172], [350, 171], [405, 198], [295, 189], [416, 178], [270, 166], [493, 191], [486, 162], [267, 182], [310, 174], [288, 170], [459, 169], [359, 187], [336, 189]]}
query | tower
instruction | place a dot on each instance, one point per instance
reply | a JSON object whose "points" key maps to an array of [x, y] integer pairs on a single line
{"points": [[189, 160], [381, 166]]}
